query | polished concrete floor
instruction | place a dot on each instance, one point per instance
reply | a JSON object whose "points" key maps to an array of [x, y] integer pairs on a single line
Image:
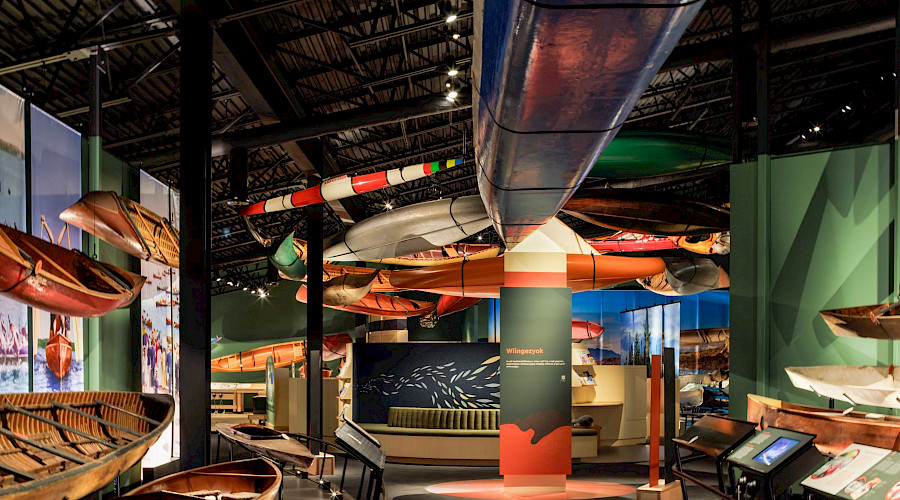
{"points": [[408, 482]]}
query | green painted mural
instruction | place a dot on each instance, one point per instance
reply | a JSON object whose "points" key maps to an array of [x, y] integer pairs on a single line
{"points": [[809, 232]]}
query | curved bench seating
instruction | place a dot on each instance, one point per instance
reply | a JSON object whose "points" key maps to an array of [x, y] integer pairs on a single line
{"points": [[443, 435]]}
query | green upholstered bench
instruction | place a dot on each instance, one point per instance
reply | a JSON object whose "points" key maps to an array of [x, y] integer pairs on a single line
{"points": [[443, 435]]}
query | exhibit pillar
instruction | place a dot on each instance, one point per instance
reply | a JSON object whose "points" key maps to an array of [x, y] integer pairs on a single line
{"points": [[91, 246], [196, 34], [535, 366]]}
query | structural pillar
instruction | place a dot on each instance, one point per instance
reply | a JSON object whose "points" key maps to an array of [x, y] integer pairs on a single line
{"points": [[195, 34], [314, 313], [763, 194], [92, 346], [535, 367]]}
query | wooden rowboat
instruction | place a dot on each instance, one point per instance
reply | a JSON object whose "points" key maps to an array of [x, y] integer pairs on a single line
{"points": [[378, 304], [256, 479], [879, 321], [126, 225], [54, 279], [70, 444], [268, 443], [59, 354], [857, 385], [834, 430]]}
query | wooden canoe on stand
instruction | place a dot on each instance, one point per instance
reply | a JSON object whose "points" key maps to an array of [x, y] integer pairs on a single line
{"points": [[834, 430], [255, 479], [879, 321], [126, 225], [70, 444], [268, 443], [54, 279]]}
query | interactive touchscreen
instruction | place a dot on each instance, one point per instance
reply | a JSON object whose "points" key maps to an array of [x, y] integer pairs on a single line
{"points": [[775, 450]]}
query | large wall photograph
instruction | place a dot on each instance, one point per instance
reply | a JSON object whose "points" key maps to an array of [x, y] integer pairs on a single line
{"points": [[13, 315], [55, 185]]}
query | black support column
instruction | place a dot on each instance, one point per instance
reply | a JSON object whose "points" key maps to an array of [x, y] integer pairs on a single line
{"points": [[764, 131], [314, 262], [195, 34]]}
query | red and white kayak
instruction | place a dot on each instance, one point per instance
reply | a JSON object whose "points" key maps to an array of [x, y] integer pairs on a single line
{"points": [[632, 242], [344, 186]]}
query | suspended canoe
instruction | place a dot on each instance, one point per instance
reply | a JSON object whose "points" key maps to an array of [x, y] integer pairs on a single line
{"points": [[703, 336], [126, 225], [343, 186], [377, 304], [447, 304], [833, 429], [582, 330], [652, 153], [70, 444], [289, 257], [58, 354], [52, 278], [857, 385], [710, 244], [268, 443], [381, 284], [410, 229], [545, 107], [879, 321], [483, 278], [253, 360], [447, 254], [687, 277], [347, 288], [255, 479], [647, 213], [632, 242]]}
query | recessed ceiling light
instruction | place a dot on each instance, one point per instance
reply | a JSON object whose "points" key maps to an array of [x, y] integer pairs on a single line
{"points": [[453, 72], [456, 36], [452, 94]]}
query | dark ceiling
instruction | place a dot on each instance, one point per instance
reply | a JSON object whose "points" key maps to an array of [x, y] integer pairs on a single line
{"points": [[831, 68]]}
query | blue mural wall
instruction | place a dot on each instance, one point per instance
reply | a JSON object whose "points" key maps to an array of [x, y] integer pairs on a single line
{"points": [[464, 375]]}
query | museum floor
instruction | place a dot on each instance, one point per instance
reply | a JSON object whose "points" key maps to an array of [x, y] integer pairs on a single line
{"points": [[408, 482]]}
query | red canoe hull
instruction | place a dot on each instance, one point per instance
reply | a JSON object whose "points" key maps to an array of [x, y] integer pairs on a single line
{"points": [[59, 355]]}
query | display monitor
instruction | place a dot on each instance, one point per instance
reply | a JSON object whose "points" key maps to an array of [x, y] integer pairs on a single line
{"points": [[775, 450]]}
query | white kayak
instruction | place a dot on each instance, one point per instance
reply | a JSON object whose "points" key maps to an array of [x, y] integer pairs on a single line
{"points": [[411, 229], [857, 385]]}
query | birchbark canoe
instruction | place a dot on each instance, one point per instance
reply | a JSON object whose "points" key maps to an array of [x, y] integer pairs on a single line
{"points": [[447, 254], [857, 385], [834, 430], [879, 321], [256, 479], [267, 443], [70, 444], [378, 304], [347, 288], [126, 225], [61, 281], [647, 213]]}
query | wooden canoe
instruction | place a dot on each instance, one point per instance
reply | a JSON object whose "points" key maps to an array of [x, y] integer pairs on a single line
{"points": [[834, 431], [59, 354], [582, 330], [70, 444], [347, 288], [447, 304], [379, 304], [646, 213], [857, 385], [61, 281], [447, 254], [255, 479], [126, 225], [879, 321], [267, 443], [284, 353]]}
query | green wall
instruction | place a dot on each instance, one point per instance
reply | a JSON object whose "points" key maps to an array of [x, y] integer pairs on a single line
{"points": [[809, 232]]}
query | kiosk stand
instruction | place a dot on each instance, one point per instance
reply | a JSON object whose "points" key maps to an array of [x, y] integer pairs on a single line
{"points": [[766, 465], [713, 437]]}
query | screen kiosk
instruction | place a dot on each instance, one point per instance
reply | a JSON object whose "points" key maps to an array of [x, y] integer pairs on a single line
{"points": [[859, 472], [365, 448], [765, 465], [712, 436]]}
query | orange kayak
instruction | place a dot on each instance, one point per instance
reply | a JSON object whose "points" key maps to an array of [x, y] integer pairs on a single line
{"points": [[483, 278], [379, 304]]}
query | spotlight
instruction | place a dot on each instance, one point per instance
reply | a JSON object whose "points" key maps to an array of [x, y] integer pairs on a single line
{"points": [[456, 36], [847, 107], [480, 237], [230, 283], [817, 129], [452, 94], [447, 84], [453, 72], [218, 278], [260, 291], [246, 287], [450, 18], [388, 206]]}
